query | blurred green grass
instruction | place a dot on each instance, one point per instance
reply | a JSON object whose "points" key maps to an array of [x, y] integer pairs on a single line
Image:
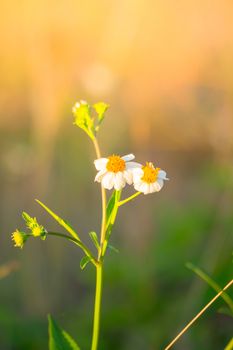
{"points": [[149, 294]]}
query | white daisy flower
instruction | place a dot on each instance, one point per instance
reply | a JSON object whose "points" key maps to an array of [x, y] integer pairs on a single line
{"points": [[148, 179], [115, 171]]}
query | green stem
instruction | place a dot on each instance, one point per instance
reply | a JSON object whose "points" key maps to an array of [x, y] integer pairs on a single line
{"points": [[99, 266], [77, 242], [128, 199], [98, 295], [104, 204]]}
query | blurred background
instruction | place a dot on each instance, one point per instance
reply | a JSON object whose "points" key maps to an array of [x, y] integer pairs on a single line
{"points": [[165, 67]]}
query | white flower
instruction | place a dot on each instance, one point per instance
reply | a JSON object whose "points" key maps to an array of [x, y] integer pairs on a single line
{"points": [[115, 171], [148, 179]]}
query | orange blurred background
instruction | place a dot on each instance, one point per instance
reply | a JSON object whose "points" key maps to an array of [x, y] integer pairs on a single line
{"points": [[145, 57]]}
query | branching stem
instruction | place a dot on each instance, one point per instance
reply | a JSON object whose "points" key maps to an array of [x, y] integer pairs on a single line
{"points": [[77, 242], [128, 199]]}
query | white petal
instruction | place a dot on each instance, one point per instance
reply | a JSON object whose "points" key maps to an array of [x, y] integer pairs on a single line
{"points": [[137, 174], [137, 171], [128, 157], [157, 185], [160, 182], [128, 175], [146, 188], [119, 181], [162, 175], [137, 186], [108, 180], [101, 163], [100, 175], [133, 165], [141, 186]]}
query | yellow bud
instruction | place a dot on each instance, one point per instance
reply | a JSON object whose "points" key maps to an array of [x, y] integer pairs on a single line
{"points": [[19, 238], [36, 231]]}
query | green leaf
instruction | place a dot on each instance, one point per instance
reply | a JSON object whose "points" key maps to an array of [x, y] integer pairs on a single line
{"points": [[211, 283], [60, 339], [84, 261], [225, 311], [111, 247], [111, 213], [100, 109], [62, 222], [112, 208], [94, 239]]}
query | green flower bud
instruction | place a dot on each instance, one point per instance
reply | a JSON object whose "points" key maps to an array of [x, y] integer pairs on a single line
{"points": [[36, 229]]}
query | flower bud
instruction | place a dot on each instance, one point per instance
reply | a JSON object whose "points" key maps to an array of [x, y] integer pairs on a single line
{"points": [[19, 238]]}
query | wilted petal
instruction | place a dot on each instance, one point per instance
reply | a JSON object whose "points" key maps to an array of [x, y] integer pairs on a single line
{"points": [[162, 175], [128, 157]]}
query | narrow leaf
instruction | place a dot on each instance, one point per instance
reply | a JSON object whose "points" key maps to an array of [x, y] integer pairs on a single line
{"points": [[94, 239], [112, 208], [111, 213], [60, 339], [211, 283], [225, 311], [111, 247], [62, 222], [84, 261]]}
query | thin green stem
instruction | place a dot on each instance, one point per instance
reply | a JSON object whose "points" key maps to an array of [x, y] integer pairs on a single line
{"points": [[99, 267], [198, 315], [78, 243], [104, 204], [128, 199], [212, 283], [98, 295]]}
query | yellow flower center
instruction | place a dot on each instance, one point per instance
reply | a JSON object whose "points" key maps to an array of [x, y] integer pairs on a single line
{"points": [[18, 238], [150, 173], [115, 164], [36, 231]]}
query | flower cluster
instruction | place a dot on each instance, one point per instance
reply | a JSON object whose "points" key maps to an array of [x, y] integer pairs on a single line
{"points": [[36, 230], [115, 172]]}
